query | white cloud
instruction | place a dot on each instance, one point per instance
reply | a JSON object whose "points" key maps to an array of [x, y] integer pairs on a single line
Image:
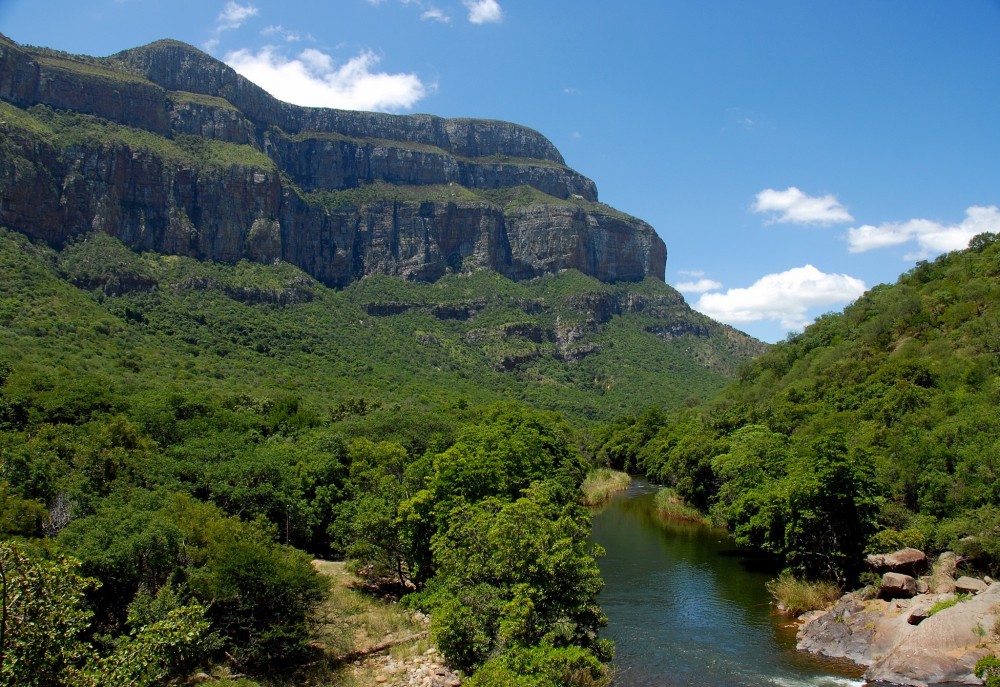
{"points": [[698, 285], [484, 11], [314, 79], [234, 14], [931, 237], [795, 207], [285, 34], [784, 297], [434, 14]]}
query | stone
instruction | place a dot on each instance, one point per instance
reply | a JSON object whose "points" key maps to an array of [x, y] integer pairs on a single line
{"points": [[896, 586], [910, 561], [969, 585]]}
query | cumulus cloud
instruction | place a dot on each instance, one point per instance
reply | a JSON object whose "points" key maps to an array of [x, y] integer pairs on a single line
{"points": [[792, 206], [484, 11], [233, 15], [314, 79], [699, 285], [931, 237], [784, 297]]}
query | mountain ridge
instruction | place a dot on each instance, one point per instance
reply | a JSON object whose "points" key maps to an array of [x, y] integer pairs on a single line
{"points": [[170, 150]]}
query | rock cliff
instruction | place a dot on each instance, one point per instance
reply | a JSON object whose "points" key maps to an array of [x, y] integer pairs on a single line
{"points": [[171, 151]]}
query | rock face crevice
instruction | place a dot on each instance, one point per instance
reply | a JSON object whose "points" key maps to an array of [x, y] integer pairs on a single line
{"points": [[170, 150]]}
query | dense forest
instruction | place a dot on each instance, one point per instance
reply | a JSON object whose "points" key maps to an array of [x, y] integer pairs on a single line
{"points": [[180, 439], [874, 429]]}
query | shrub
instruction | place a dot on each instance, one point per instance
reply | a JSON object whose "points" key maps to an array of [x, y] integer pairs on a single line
{"points": [[796, 596]]}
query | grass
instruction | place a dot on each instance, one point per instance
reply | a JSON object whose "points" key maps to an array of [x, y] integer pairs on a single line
{"points": [[795, 596], [352, 620], [670, 505], [601, 483], [946, 603]]}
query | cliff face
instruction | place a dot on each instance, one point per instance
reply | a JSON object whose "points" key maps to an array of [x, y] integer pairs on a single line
{"points": [[170, 150]]}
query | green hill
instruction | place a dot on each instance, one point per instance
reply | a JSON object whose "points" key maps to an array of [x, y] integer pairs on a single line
{"points": [[875, 428], [563, 342]]}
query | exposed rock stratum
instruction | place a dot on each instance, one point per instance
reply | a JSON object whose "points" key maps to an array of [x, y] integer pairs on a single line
{"points": [[170, 150]]}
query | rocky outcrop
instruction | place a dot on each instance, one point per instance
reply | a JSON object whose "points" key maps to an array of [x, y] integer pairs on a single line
{"points": [[179, 154], [930, 639]]}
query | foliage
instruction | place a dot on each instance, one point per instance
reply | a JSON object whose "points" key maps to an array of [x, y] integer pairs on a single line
{"points": [[874, 428], [150, 654], [988, 669], [542, 666], [43, 618]]}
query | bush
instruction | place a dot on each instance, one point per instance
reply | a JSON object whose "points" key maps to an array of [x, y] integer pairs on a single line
{"points": [[795, 596], [542, 666]]}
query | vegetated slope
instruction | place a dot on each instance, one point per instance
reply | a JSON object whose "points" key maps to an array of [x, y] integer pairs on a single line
{"points": [[562, 342], [167, 426], [874, 428]]}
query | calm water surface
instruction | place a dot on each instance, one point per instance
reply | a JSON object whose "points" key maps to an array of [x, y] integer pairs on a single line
{"points": [[686, 608]]}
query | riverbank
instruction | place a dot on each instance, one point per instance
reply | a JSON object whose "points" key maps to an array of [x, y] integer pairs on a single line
{"points": [[910, 638]]}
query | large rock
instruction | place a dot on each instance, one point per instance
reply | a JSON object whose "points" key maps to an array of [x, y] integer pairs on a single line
{"points": [[969, 585], [897, 586], [909, 561], [215, 168], [942, 649]]}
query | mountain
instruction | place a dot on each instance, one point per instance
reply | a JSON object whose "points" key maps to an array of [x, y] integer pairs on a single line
{"points": [[169, 150], [464, 254]]}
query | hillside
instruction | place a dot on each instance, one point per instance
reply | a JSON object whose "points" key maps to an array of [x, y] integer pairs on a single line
{"points": [[563, 342], [873, 429]]}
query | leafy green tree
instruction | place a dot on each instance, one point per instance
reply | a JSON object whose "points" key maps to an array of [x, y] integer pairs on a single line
{"points": [[43, 618], [527, 570], [542, 666]]}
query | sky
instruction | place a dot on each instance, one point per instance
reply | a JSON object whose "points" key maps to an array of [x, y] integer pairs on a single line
{"points": [[790, 153]]}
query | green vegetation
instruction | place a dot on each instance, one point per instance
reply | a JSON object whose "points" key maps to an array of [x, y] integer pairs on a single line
{"points": [[946, 603], [180, 439], [794, 596], [873, 428], [601, 483], [670, 505]]}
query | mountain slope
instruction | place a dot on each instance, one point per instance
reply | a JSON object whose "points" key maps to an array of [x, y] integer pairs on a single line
{"points": [[875, 428], [565, 341]]}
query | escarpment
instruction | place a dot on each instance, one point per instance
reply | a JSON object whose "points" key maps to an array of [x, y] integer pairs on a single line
{"points": [[170, 150]]}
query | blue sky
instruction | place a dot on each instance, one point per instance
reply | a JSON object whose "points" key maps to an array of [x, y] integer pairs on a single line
{"points": [[790, 153]]}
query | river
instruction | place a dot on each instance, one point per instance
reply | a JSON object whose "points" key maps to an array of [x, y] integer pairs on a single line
{"points": [[685, 607]]}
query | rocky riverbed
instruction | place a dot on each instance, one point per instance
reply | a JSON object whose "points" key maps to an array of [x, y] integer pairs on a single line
{"points": [[914, 630]]}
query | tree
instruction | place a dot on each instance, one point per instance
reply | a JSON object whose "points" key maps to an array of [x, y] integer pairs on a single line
{"points": [[42, 619]]}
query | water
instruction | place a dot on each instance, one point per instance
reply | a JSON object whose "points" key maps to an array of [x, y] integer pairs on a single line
{"points": [[685, 607]]}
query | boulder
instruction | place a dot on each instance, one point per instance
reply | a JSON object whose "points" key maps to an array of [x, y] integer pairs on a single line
{"points": [[910, 561], [942, 578], [897, 586], [969, 585], [900, 642]]}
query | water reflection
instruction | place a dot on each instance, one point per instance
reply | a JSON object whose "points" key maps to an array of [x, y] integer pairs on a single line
{"points": [[685, 607]]}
